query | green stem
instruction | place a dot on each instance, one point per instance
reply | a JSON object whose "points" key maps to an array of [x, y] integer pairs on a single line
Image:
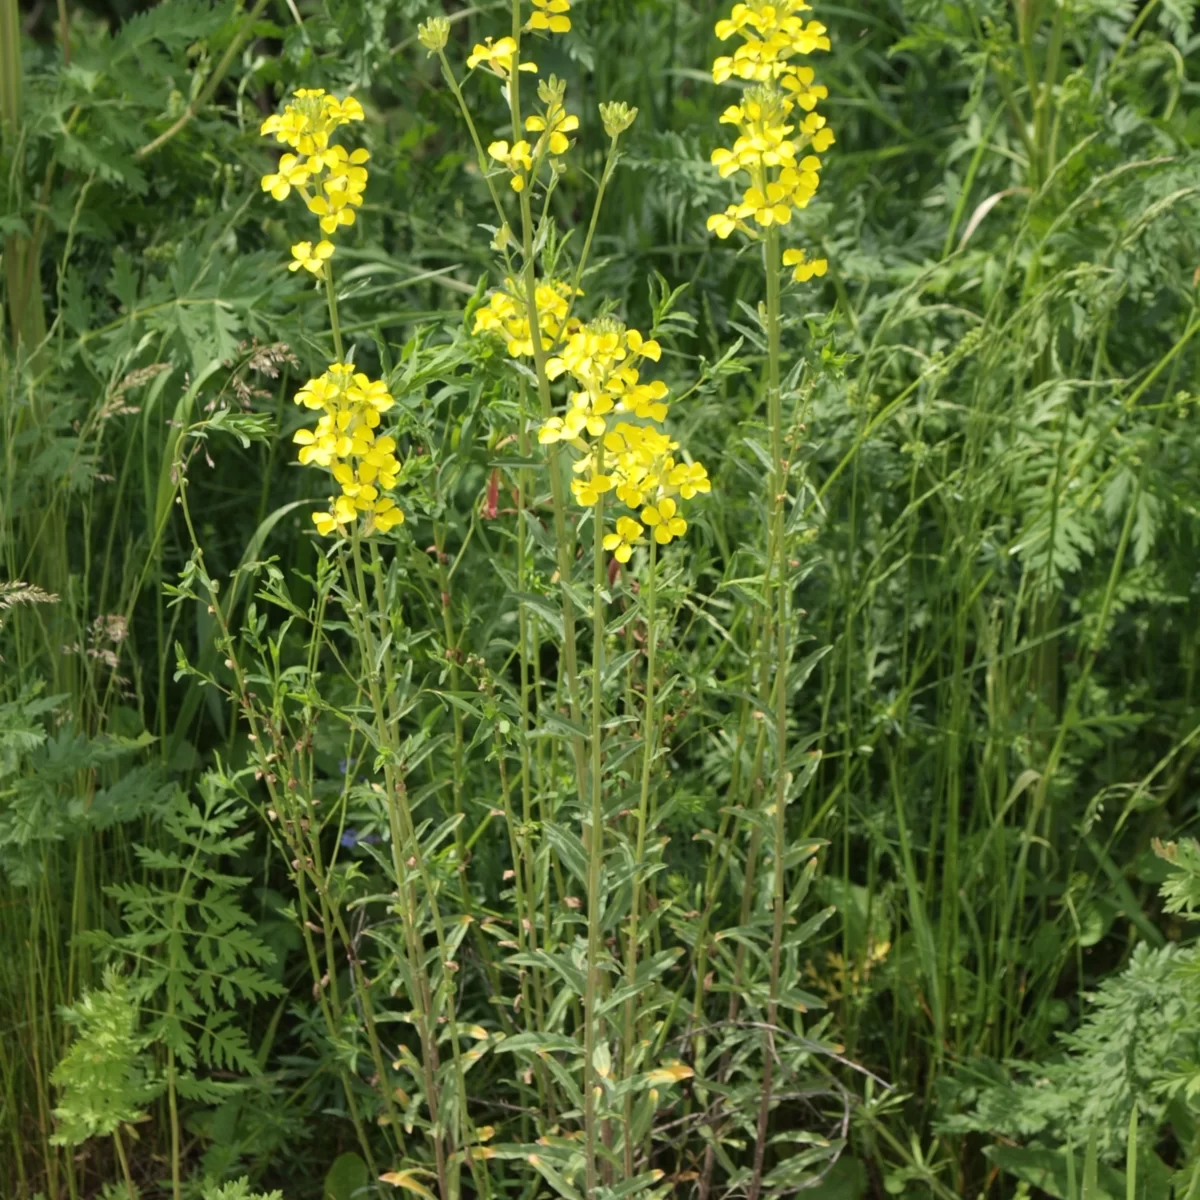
{"points": [[480, 154], [777, 573], [648, 736], [1134, 30], [565, 544], [210, 87], [595, 845], [124, 1160], [331, 299], [610, 162]]}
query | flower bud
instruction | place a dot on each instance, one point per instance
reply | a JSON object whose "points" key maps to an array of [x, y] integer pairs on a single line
{"points": [[434, 33], [617, 117], [552, 91]]}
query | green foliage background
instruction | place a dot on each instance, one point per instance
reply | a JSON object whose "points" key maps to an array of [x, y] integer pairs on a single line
{"points": [[996, 638]]}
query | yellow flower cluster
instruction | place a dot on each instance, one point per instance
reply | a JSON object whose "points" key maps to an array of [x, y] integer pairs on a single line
{"points": [[552, 125], [505, 314], [634, 461], [345, 443], [329, 178], [772, 135]]}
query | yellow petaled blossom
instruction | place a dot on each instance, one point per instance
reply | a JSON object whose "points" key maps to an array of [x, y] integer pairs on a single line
{"points": [[776, 118], [550, 16], [663, 518], [689, 478], [344, 442], [636, 462], [505, 314], [806, 267], [554, 125], [518, 160], [497, 57], [623, 541], [329, 178], [311, 258]]}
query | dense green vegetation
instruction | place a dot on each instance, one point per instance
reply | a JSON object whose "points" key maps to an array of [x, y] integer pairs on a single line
{"points": [[843, 845]]}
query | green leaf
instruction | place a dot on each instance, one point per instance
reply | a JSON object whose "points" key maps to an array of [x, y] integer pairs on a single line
{"points": [[346, 1178]]}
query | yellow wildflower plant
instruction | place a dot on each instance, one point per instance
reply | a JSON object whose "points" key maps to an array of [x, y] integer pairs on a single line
{"points": [[776, 118], [331, 181], [328, 177]]}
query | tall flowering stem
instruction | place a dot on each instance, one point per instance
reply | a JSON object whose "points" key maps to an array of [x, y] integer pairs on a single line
{"points": [[776, 160], [635, 462], [331, 180], [595, 845], [649, 731], [608, 431], [348, 444]]}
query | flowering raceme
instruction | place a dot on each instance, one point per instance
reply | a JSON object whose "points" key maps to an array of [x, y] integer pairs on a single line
{"points": [[611, 419], [634, 461], [345, 443], [329, 178], [772, 135], [331, 181]]}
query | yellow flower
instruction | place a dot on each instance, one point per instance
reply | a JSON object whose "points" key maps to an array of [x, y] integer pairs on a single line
{"points": [[723, 224], [646, 401], [386, 515], [626, 537], [518, 160], [688, 479], [549, 15], [292, 173], [313, 449], [741, 16], [497, 58], [645, 348], [806, 93], [769, 208], [663, 519], [371, 394], [556, 124], [552, 431], [588, 491], [326, 523], [318, 393], [311, 258], [342, 111], [806, 267]]}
